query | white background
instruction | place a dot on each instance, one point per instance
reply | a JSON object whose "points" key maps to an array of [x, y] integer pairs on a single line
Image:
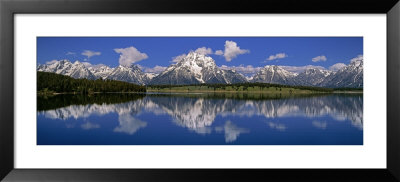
{"points": [[370, 155]]}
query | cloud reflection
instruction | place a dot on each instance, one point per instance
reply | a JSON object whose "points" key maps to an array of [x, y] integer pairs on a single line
{"points": [[129, 124], [232, 132], [277, 126], [320, 124], [89, 125]]}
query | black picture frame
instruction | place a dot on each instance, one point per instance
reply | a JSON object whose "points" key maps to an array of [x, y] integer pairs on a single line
{"points": [[9, 8]]}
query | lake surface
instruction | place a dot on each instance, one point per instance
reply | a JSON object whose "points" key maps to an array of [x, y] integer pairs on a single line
{"points": [[200, 119]]}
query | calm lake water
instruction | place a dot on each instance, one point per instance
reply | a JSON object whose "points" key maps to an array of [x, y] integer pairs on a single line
{"points": [[200, 119]]}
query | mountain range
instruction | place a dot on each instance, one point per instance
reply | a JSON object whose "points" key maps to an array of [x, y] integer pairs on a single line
{"points": [[197, 68], [194, 69]]}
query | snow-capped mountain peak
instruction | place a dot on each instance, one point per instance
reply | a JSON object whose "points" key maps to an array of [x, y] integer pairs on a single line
{"points": [[274, 74], [65, 67], [131, 74], [348, 76], [312, 77], [196, 68], [100, 70]]}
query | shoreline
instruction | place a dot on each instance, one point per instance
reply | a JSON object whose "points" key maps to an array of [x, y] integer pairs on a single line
{"points": [[232, 91], [204, 91], [348, 92]]}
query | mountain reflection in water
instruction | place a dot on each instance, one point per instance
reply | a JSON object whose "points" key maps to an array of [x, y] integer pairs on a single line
{"points": [[201, 119]]}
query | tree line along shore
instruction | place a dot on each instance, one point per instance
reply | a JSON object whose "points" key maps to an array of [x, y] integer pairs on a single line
{"points": [[51, 83], [249, 87]]}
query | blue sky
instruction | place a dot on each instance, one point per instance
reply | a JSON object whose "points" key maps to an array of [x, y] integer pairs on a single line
{"points": [[228, 52]]}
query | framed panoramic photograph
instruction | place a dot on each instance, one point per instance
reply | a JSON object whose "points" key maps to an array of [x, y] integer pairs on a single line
{"points": [[193, 98], [145, 91]]}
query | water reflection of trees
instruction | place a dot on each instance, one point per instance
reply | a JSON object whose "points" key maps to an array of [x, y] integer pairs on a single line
{"points": [[53, 102], [198, 112]]}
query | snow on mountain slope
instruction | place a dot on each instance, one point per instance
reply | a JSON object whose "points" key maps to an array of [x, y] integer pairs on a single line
{"points": [[196, 68], [65, 67], [348, 76], [131, 74], [100, 71], [151, 75], [274, 74], [312, 77]]}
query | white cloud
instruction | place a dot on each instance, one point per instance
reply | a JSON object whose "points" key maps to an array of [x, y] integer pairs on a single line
{"points": [[219, 52], [178, 58], [245, 70], [232, 50], [52, 61], [299, 69], [89, 53], [156, 69], [130, 55], [204, 50], [358, 58], [319, 58], [337, 66], [277, 56], [70, 53]]}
